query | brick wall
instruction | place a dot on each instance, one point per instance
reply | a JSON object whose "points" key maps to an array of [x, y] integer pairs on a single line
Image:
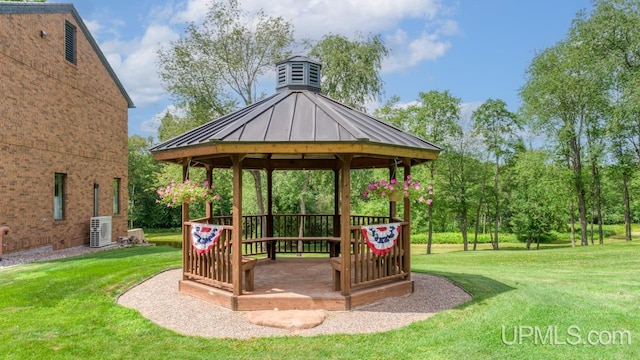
{"points": [[56, 117]]}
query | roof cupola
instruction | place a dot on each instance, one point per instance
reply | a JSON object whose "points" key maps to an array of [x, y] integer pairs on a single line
{"points": [[298, 73]]}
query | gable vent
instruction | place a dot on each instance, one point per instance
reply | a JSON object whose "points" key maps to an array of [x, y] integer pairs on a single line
{"points": [[298, 73], [70, 42]]}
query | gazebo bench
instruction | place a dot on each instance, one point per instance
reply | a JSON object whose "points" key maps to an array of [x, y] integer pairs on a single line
{"points": [[248, 263]]}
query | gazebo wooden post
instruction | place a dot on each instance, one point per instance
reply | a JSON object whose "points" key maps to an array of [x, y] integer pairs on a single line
{"points": [[271, 249], [186, 241], [209, 204], [345, 227], [406, 229], [336, 203], [392, 204], [236, 236]]}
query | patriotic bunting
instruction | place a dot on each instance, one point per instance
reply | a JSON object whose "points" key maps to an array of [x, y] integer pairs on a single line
{"points": [[381, 238], [205, 236]]}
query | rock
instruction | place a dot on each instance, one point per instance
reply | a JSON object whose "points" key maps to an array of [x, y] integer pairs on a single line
{"points": [[287, 319], [123, 241]]}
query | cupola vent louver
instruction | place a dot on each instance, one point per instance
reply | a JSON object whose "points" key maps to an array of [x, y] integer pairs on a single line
{"points": [[298, 73]]}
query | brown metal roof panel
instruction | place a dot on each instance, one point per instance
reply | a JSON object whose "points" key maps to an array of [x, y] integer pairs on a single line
{"points": [[326, 128], [280, 127], [211, 129], [256, 129], [327, 105], [236, 135], [303, 127], [380, 131]]}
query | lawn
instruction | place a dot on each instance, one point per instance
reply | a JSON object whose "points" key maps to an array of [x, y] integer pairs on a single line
{"points": [[65, 309]]}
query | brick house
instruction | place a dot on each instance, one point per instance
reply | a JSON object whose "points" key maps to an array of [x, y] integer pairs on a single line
{"points": [[63, 129]]}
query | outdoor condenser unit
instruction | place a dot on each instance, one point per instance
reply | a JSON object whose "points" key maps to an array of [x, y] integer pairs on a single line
{"points": [[100, 231]]}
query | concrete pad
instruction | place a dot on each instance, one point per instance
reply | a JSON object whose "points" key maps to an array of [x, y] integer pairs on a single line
{"points": [[287, 319]]}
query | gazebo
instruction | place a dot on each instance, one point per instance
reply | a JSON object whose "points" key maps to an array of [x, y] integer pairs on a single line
{"points": [[297, 128]]}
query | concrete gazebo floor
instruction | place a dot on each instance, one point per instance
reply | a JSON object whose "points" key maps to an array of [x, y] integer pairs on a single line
{"points": [[295, 283]]}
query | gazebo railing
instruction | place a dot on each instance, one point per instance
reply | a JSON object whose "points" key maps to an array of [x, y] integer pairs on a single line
{"points": [[214, 267], [368, 268]]}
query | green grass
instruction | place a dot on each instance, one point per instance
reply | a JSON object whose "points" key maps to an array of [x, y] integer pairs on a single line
{"points": [[65, 309]]}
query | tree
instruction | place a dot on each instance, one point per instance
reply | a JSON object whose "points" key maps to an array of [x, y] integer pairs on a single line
{"points": [[536, 188], [227, 51], [612, 34], [497, 127], [435, 117], [563, 95], [143, 170], [350, 72]]}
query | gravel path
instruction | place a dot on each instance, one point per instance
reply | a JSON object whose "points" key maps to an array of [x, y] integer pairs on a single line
{"points": [[158, 300], [46, 253]]}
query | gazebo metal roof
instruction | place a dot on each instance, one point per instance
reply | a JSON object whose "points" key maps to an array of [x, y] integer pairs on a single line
{"points": [[293, 125]]}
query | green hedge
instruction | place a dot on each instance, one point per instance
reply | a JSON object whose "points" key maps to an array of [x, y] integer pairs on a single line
{"points": [[456, 238]]}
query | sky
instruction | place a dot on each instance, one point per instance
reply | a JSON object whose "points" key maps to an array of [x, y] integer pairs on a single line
{"points": [[475, 49]]}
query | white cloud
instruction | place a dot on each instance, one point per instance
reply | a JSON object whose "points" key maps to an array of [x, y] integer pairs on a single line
{"points": [[135, 63], [192, 11], [94, 26], [466, 110], [151, 126], [427, 47], [314, 18]]}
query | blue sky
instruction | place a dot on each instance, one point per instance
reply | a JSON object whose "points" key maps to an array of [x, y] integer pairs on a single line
{"points": [[476, 49]]}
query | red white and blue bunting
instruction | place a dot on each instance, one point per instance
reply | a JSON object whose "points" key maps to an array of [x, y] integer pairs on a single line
{"points": [[381, 238], [205, 236]]}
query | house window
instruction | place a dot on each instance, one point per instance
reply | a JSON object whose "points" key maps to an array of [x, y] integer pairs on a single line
{"points": [[116, 196], [58, 196], [70, 42]]}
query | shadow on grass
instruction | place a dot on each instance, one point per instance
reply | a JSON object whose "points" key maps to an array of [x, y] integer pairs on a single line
{"points": [[479, 286]]}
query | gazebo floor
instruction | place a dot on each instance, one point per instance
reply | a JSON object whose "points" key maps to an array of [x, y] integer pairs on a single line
{"points": [[294, 284]]}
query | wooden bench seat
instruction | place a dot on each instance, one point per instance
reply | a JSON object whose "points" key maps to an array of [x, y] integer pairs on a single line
{"points": [[248, 263]]}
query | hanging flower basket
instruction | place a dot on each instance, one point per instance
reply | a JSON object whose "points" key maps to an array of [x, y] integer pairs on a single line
{"points": [[395, 196], [174, 194], [396, 191]]}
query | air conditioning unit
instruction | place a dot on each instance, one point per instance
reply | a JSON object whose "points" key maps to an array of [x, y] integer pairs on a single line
{"points": [[100, 231]]}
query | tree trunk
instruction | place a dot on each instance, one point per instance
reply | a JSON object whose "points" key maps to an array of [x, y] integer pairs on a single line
{"points": [[497, 200], [582, 213], [432, 172], [480, 200], [599, 206], [257, 177], [572, 217], [303, 212], [258, 181], [627, 206], [463, 227], [580, 191]]}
